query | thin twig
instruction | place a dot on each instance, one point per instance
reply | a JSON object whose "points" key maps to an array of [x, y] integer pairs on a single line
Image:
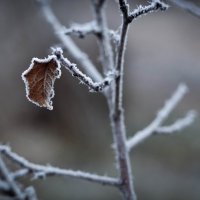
{"points": [[103, 39], [162, 115], [124, 7], [179, 124], [90, 28], [93, 86], [105, 48], [40, 171], [81, 30], [68, 43], [9, 179], [143, 10], [188, 6]]}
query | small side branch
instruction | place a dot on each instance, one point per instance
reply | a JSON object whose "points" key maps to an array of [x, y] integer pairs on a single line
{"points": [[41, 171], [179, 124], [90, 28], [188, 6], [81, 30], [69, 44], [93, 86], [156, 124], [143, 10]]}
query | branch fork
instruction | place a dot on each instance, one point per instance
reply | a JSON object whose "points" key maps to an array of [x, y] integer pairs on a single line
{"points": [[93, 86]]}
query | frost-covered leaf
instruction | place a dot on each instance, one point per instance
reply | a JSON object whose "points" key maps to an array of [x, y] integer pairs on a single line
{"points": [[39, 80]]}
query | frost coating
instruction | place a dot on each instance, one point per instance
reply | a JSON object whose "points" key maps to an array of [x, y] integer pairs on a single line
{"points": [[39, 80]]}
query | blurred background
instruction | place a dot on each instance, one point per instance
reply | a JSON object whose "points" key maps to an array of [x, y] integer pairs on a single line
{"points": [[163, 50]]}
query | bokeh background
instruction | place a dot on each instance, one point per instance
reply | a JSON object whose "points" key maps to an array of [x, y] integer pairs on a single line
{"points": [[163, 50]]}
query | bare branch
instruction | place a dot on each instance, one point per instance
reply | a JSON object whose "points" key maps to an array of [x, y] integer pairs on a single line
{"points": [[40, 171], [68, 43], [90, 28], [162, 115], [117, 115], [81, 30], [124, 7], [9, 179], [104, 43], [93, 86], [143, 10], [178, 125], [188, 6], [103, 36]]}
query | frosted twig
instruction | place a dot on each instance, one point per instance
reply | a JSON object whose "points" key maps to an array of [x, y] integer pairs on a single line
{"points": [[68, 43], [105, 48], [104, 38], [188, 6], [117, 115], [81, 30], [162, 115], [178, 125], [93, 86], [124, 7], [42, 171], [14, 187], [143, 10]]}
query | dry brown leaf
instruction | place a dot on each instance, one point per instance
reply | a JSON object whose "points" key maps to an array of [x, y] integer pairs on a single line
{"points": [[39, 80]]}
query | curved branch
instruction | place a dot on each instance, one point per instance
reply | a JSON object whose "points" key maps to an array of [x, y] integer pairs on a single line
{"points": [[162, 115], [40, 171], [93, 86]]}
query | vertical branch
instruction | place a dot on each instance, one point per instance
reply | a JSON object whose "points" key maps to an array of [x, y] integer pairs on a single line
{"points": [[118, 114], [116, 110], [105, 47], [118, 123], [103, 36], [120, 68]]}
